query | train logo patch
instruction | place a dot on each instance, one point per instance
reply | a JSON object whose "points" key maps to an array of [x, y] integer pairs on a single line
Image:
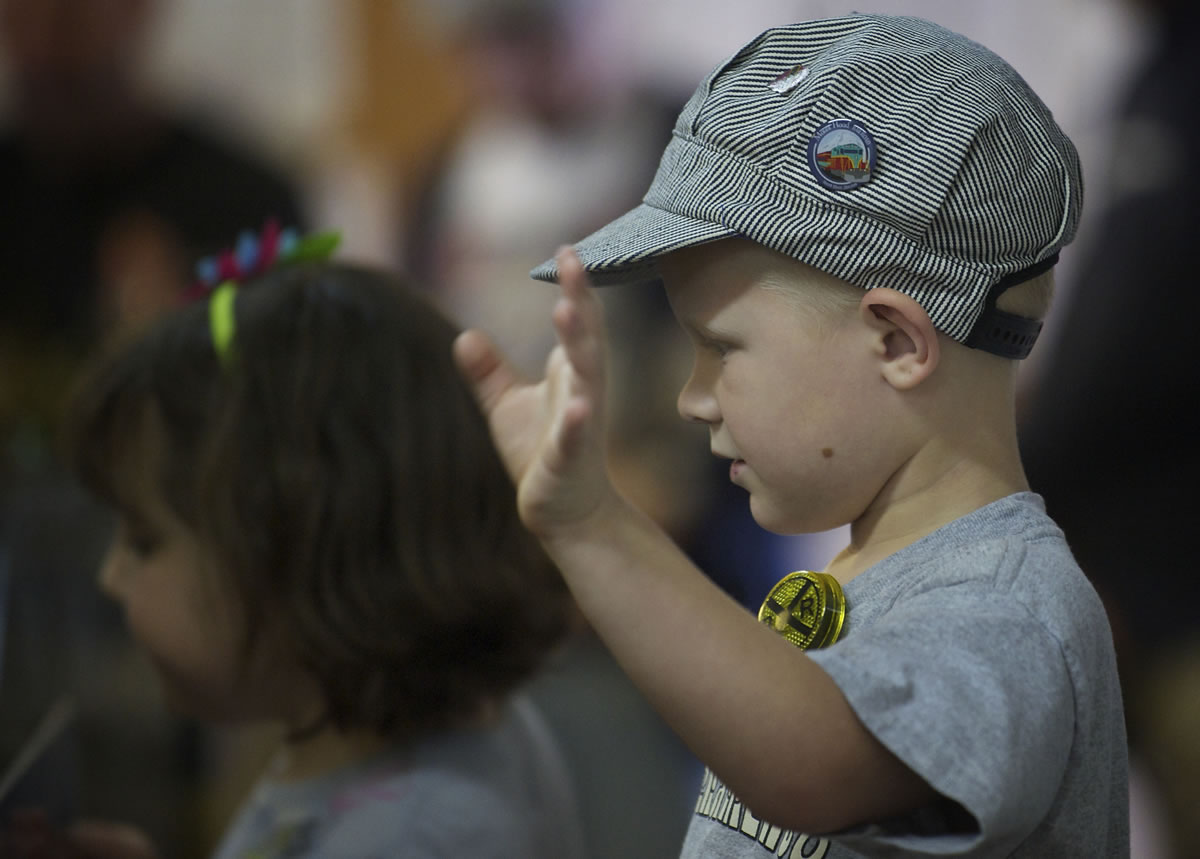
{"points": [[841, 155]]}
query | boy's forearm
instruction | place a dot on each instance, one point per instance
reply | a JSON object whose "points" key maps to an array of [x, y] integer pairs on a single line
{"points": [[767, 720]]}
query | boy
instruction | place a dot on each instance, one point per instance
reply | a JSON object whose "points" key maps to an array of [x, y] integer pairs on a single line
{"points": [[855, 222]]}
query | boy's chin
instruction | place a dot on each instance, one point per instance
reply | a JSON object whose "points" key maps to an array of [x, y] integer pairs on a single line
{"points": [[770, 518], [788, 523]]}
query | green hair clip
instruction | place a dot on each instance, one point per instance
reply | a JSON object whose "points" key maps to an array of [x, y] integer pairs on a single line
{"points": [[218, 276], [220, 320]]}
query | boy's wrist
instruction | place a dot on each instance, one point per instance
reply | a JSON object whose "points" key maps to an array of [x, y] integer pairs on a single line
{"points": [[609, 516]]}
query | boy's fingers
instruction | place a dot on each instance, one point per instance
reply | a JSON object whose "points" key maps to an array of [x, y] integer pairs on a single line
{"points": [[573, 426], [482, 364], [579, 317], [571, 274]]}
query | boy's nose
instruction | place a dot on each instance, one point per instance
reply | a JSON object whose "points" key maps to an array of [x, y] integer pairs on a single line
{"points": [[696, 406]]}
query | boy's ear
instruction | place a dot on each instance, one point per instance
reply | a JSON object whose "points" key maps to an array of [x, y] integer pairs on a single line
{"points": [[906, 341]]}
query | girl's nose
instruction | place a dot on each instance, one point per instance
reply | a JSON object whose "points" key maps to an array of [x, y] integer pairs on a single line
{"points": [[109, 573]]}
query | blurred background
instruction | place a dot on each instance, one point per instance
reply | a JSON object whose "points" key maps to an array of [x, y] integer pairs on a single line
{"points": [[463, 140]]}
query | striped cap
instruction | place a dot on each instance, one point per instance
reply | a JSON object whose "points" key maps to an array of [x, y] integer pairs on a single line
{"points": [[886, 151]]}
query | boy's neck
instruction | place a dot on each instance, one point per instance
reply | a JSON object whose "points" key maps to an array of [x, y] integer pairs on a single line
{"points": [[937, 486]]}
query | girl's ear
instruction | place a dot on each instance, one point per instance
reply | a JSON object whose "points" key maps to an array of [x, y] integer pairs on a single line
{"points": [[906, 341]]}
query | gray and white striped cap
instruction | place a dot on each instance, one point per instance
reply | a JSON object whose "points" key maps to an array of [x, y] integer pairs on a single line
{"points": [[886, 151]]}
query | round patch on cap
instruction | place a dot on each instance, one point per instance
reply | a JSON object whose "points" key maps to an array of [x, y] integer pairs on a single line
{"points": [[841, 154]]}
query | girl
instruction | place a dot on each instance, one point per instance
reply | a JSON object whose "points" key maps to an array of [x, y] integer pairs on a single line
{"points": [[314, 530]]}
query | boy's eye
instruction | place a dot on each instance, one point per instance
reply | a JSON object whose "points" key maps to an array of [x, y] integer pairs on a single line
{"points": [[710, 342], [717, 346]]}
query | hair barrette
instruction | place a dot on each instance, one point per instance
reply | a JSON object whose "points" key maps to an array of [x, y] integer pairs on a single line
{"points": [[218, 276]]}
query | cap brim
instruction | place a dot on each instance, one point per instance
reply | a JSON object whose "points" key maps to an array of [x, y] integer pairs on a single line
{"points": [[625, 250]]}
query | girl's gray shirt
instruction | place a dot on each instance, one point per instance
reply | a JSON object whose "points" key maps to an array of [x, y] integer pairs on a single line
{"points": [[494, 793]]}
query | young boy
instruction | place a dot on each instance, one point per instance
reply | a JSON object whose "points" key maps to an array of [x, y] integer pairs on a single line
{"points": [[855, 222]]}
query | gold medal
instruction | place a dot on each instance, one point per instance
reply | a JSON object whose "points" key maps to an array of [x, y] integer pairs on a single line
{"points": [[806, 608]]}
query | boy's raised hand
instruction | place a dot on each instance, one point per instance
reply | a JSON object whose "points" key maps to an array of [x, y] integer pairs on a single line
{"points": [[550, 433]]}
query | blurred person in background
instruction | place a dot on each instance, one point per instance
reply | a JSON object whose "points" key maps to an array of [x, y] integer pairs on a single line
{"points": [[109, 194], [108, 197], [1116, 387]]}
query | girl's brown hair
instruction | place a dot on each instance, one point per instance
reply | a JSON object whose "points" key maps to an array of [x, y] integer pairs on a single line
{"points": [[343, 476]]}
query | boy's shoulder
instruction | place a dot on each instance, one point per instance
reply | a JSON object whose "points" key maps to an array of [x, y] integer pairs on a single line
{"points": [[1010, 548], [1003, 570], [982, 657]]}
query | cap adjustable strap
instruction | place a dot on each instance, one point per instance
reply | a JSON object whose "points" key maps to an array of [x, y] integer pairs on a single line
{"points": [[1007, 334]]}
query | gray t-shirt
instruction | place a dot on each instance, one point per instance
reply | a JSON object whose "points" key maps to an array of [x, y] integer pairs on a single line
{"points": [[982, 657], [494, 793]]}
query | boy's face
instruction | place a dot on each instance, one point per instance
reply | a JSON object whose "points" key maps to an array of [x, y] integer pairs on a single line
{"points": [[788, 385], [158, 570]]}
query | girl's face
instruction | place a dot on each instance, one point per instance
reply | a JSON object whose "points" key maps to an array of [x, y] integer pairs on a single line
{"points": [[155, 569], [160, 572]]}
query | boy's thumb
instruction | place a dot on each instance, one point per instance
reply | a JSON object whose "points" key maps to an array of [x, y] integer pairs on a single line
{"points": [[483, 365]]}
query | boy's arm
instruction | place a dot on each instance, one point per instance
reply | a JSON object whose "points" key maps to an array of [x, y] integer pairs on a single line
{"points": [[768, 721]]}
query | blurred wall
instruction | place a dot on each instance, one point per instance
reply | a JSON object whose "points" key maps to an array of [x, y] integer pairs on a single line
{"points": [[353, 91]]}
